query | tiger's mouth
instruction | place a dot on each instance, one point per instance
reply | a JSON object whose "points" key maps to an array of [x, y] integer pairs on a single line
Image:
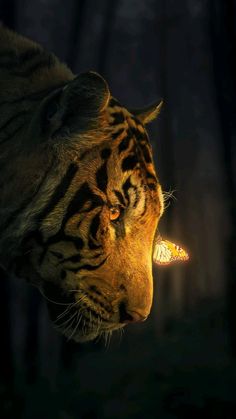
{"points": [[81, 318], [81, 324]]}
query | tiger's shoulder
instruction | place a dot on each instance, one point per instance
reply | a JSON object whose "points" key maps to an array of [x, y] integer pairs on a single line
{"points": [[22, 59]]}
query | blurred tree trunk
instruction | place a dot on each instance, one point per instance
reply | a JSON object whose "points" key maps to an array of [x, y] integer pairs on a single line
{"points": [[105, 40], [76, 29], [7, 13], [190, 156], [223, 38]]}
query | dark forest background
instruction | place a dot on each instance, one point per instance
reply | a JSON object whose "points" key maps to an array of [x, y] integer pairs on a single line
{"points": [[181, 363]]}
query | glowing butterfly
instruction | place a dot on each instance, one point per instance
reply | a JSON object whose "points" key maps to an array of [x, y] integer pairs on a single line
{"points": [[166, 252]]}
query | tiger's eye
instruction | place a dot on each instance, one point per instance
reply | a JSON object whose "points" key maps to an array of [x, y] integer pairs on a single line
{"points": [[114, 213]]}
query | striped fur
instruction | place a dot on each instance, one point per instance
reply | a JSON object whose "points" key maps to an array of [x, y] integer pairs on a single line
{"points": [[69, 153]]}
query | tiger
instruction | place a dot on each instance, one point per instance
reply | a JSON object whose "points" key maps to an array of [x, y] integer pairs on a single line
{"points": [[80, 199]]}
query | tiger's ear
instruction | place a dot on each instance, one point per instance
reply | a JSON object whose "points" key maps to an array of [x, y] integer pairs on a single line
{"points": [[148, 113], [75, 106]]}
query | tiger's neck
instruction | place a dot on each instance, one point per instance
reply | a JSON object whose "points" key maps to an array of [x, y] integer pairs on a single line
{"points": [[27, 69], [28, 74]]}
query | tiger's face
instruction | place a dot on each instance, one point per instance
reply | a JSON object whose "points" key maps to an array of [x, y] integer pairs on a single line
{"points": [[91, 237]]}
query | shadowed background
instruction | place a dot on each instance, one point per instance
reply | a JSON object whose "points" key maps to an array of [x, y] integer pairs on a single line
{"points": [[180, 363]]}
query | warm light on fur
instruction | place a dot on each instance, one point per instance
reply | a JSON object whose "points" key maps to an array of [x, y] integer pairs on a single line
{"points": [[71, 153]]}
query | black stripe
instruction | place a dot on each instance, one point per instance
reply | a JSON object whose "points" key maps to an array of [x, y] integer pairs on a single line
{"points": [[130, 162], [83, 195], [125, 142], [105, 153], [102, 177], [127, 185], [146, 153], [57, 254], [151, 181], [63, 274], [118, 118], [88, 267], [138, 134], [152, 186], [136, 120], [117, 134], [60, 190], [119, 229], [12, 118], [60, 236], [78, 242], [119, 196], [98, 255], [92, 245], [151, 176]]}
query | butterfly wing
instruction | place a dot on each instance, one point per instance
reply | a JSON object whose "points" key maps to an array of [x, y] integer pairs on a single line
{"points": [[166, 252], [162, 253]]}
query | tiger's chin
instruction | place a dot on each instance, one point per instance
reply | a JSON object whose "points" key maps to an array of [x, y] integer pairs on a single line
{"points": [[82, 335], [78, 316], [80, 324]]}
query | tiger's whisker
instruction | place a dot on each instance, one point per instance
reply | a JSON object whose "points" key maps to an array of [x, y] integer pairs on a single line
{"points": [[169, 195], [63, 314], [70, 321], [65, 322], [70, 306], [76, 326]]}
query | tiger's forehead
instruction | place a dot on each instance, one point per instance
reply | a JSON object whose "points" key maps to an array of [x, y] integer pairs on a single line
{"points": [[118, 115], [133, 143]]}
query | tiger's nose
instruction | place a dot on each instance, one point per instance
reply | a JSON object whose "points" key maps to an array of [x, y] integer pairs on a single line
{"points": [[130, 316]]}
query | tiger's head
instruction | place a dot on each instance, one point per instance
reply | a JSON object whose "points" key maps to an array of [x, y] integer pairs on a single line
{"points": [[86, 234]]}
